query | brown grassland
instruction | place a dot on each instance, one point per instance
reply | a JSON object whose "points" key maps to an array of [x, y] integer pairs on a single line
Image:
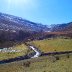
{"points": [[55, 63], [52, 45]]}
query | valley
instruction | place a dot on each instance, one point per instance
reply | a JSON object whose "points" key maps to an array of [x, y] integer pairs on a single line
{"points": [[27, 46]]}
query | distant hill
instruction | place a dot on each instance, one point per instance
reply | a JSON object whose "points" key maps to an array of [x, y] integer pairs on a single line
{"points": [[67, 27], [58, 30]]}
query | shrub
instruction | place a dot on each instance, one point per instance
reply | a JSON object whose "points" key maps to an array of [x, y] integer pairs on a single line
{"points": [[67, 55], [44, 71], [57, 58], [26, 64]]}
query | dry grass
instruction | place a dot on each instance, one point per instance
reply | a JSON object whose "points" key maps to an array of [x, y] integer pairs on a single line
{"points": [[42, 64], [23, 50], [53, 45]]}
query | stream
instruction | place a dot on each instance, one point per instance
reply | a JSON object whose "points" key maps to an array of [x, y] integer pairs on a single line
{"points": [[35, 54]]}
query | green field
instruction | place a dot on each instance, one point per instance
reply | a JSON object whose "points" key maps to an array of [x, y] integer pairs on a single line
{"points": [[6, 55], [56, 63], [53, 45]]}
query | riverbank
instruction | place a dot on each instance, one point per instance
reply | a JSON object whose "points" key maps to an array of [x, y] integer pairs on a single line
{"points": [[28, 56], [36, 53], [48, 63], [12, 52]]}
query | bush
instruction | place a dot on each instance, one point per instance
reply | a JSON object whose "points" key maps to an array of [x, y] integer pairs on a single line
{"points": [[44, 71], [57, 58], [26, 64], [67, 55]]}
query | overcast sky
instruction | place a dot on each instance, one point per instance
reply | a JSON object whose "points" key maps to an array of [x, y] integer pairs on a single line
{"points": [[41, 11]]}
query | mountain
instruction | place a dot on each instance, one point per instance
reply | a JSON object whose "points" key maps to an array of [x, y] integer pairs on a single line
{"points": [[66, 27], [64, 30], [17, 23], [16, 28]]}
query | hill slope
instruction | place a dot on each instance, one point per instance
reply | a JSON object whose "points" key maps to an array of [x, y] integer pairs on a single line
{"points": [[67, 27], [16, 28]]}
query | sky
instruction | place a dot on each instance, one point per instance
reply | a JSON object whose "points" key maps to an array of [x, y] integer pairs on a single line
{"points": [[40, 11]]}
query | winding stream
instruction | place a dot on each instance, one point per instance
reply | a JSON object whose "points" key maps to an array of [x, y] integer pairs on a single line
{"points": [[38, 53], [34, 55]]}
